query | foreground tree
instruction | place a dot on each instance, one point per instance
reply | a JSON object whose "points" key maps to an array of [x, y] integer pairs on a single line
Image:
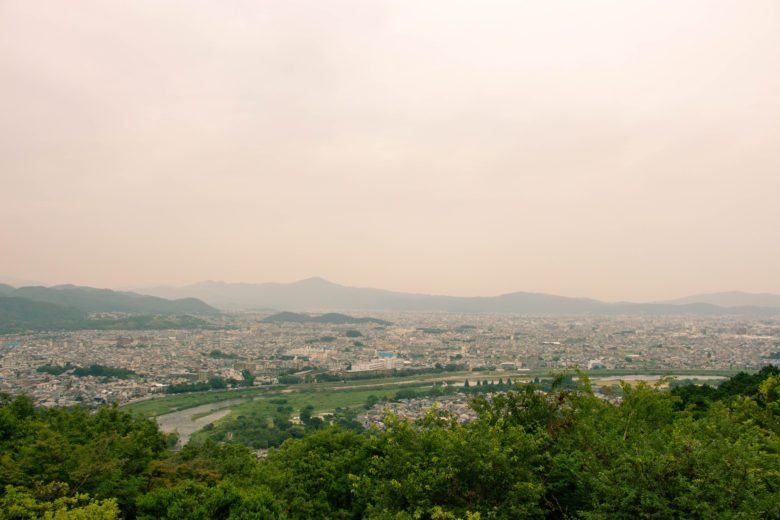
{"points": [[530, 454]]}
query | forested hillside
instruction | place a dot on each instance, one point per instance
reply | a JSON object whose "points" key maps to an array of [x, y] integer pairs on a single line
{"points": [[22, 315], [90, 299], [69, 307], [693, 453]]}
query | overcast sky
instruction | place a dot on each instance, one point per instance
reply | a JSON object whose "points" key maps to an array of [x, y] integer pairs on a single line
{"points": [[612, 149]]}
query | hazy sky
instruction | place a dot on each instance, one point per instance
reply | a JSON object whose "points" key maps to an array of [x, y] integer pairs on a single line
{"points": [[615, 149]]}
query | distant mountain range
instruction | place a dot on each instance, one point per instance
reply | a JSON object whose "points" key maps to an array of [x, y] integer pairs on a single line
{"points": [[318, 294], [67, 306]]}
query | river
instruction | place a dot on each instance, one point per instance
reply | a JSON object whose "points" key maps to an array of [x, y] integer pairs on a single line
{"points": [[183, 422]]}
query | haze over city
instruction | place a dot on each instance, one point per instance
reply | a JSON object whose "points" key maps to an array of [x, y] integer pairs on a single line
{"points": [[615, 150]]}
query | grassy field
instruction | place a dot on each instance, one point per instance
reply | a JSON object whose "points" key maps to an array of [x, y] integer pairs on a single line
{"points": [[323, 400], [172, 403], [326, 397]]}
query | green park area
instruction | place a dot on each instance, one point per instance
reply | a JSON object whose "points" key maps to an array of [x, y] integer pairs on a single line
{"points": [[171, 403], [167, 404]]}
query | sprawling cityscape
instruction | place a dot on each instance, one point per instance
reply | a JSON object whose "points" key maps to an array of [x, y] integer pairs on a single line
{"points": [[44, 364], [389, 260]]}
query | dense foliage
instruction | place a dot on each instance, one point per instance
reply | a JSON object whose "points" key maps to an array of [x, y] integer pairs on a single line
{"points": [[218, 354], [55, 459], [700, 397], [260, 429], [531, 454], [213, 383], [54, 370], [103, 371], [20, 314]]}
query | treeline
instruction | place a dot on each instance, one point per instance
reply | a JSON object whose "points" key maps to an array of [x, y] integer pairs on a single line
{"points": [[54, 370], [218, 354], [326, 377], [530, 454], [213, 383], [92, 370], [103, 371], [440, 389]]}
